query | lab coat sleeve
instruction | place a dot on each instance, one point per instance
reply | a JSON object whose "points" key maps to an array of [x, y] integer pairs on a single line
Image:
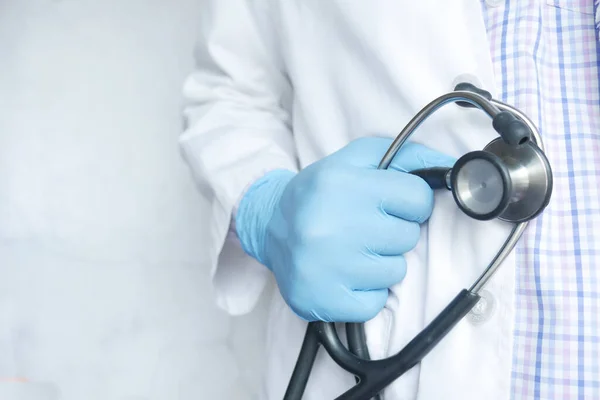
{"points": [[237, 129]]}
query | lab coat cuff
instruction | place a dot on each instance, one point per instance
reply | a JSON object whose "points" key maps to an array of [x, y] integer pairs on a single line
{"points": [[238, 279]]}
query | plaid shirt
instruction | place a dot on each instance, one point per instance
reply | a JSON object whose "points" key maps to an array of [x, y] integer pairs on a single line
{"points": [[546, 63]]}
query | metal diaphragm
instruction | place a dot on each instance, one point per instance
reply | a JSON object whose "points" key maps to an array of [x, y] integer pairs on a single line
{"points": [[481, 185]]}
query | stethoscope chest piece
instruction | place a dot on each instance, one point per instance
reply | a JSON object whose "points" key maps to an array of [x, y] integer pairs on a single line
{"points": [[481, 185], [508, 182]]}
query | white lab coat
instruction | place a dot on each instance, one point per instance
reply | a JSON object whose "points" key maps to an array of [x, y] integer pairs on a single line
{"points": [[281, 84]]}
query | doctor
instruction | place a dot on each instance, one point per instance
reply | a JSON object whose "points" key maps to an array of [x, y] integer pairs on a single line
{"points": [[292, 106]]}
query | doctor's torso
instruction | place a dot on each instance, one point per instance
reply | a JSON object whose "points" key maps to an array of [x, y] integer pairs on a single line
{"points": [[364, 69], [356, 68]]}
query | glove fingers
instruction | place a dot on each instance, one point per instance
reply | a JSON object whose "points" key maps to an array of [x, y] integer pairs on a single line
{"points": [[352, 306], [414, 156], [363, 306], [368, 152], [394, 236], [401, 195], [377, 272], [365, 152]]}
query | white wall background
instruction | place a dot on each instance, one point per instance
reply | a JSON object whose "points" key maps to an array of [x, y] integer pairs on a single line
{"points": [[104, 294]]}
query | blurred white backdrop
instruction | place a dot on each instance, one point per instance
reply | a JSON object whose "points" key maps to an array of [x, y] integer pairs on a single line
{"points": [[104, 291]]}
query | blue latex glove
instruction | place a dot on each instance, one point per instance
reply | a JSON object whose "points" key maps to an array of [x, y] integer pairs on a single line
{"points": [[335, 233]]}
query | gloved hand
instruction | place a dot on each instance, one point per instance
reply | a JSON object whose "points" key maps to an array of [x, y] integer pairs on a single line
{"points": [[335, 233]]}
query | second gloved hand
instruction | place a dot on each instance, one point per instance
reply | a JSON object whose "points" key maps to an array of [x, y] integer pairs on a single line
{"points": [[335, 234]]}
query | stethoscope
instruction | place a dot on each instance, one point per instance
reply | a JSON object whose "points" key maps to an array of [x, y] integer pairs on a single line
{"points": [[509, 179]]}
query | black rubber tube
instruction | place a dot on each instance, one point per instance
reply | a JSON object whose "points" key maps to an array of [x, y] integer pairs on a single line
{"points": [[514, 131], [379, 374], [304, 364], [435, 177], [357, 344], [469, 87]]}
